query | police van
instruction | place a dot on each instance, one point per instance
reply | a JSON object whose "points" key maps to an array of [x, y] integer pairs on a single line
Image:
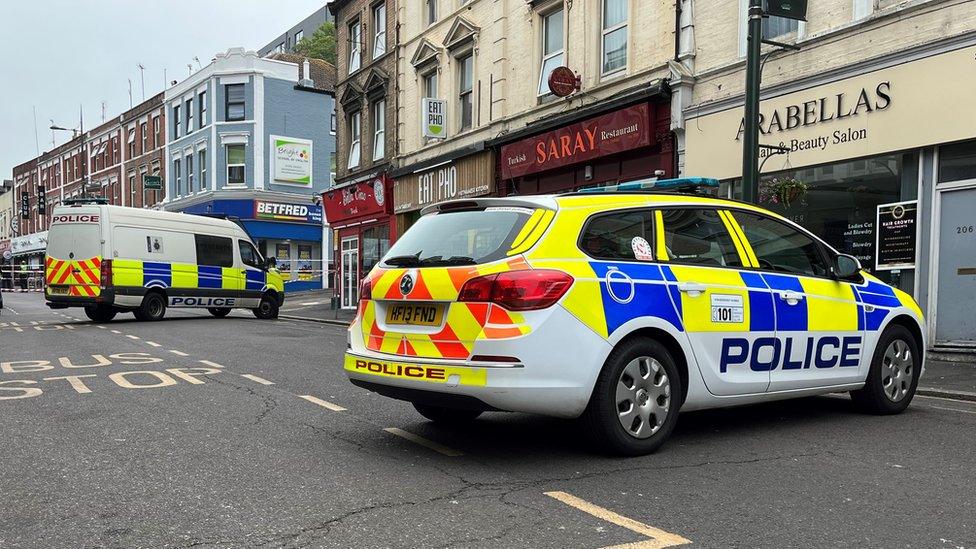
{"points": [[623, 306], [112, 259]]}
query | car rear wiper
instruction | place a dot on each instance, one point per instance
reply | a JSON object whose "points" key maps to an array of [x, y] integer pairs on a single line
{"points": [[453, 260], [404, 260]]}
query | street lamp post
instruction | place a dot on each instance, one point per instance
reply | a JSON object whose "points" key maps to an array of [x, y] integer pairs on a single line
{"points": [[750, 136], [84, 154]]}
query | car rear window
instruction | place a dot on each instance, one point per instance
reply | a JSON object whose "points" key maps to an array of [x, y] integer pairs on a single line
{"points": [[458, 238]]}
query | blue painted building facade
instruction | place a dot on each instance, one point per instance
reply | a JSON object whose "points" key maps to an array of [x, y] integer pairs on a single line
{"points": [[247, 136]]}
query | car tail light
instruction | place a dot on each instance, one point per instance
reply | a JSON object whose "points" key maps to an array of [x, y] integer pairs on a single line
{"points": [[518, 290], [106, 273], [365, 290]]}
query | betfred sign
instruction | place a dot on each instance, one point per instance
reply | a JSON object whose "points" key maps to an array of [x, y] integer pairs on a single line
{"points": [[280, 211], [611, 133]]}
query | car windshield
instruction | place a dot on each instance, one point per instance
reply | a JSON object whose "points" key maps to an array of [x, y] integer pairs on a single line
{"points": [[458, 238]]}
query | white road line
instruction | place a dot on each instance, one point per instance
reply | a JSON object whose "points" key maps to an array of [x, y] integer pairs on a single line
{"points": [[257, 379], [311, 303], [130, 336], [953, 409], [153, 344], [213, 364], [659, 538], [100, 327], [11, 309], [116, 332], [323, 403], [423, 442], [178, 353]]}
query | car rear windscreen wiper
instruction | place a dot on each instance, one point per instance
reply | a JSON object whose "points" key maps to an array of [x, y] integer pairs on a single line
{"points": [[453, 260], [404, 260]]}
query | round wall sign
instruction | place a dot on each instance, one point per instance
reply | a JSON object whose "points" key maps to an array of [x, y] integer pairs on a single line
{"points": [[563, 81], [378, 191]]}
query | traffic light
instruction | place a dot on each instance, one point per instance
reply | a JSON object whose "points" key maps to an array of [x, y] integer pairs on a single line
{"points": [[41, 201], [24, 205]]}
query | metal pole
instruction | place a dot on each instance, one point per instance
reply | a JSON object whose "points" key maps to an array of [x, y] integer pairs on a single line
{"points": [[750, 137], [84, 153]]}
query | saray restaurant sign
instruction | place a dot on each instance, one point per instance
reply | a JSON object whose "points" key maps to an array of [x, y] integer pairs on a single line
{"points": [[610, 133]]}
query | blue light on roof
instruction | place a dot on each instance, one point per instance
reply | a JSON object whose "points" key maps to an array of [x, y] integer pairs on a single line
{"points": [[679, 183]]}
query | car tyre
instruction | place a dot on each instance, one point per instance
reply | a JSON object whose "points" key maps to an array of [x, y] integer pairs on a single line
{"points": [[893, 376], [153, 307], [219, 312], [635, 403], [100, 313], [445, 415], [268, 309]]}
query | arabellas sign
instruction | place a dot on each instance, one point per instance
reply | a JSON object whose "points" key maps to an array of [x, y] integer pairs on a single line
{"points": [[434, 117]]}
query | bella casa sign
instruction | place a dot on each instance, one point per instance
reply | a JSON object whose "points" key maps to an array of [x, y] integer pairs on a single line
{"points": [[882, 111], [610, 133]]}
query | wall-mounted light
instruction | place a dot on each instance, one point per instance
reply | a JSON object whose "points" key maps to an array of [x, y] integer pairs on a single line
{"points": [[588, 172]]}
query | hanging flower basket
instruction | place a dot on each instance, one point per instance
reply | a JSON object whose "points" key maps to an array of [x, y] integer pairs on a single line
{"points": [[782, 190]]}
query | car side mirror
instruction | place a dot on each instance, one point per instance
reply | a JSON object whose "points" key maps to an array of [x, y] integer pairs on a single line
{"points": [[846, 267]]}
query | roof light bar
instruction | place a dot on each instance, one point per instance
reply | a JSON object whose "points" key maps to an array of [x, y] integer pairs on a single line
{"points": [[677, 184]]}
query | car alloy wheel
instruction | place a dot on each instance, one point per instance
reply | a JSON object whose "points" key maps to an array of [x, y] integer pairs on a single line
{"points": [[643, 397], [897, 368]]}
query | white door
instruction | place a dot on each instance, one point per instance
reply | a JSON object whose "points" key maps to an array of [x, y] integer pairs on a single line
{"points": [[955, 321], [350, 272]]}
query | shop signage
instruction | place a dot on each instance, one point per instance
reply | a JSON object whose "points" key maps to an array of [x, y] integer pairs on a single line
{"points": [[875, 113], [361, 199], [434, 117], [5, 248], [896, 235], [461, 178], [611, 133], [291, 160], [152, 182], [35, 242], [563, 81], [281, 211]]}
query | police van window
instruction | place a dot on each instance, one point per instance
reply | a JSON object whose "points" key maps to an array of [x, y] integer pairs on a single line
{"points": [[779, 247], [216, 251], [249, 256], [698, 237], [611, 236]]}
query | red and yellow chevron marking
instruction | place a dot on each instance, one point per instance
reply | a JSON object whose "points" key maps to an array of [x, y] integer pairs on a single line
{"points": [[465, 323], [82, 276]]}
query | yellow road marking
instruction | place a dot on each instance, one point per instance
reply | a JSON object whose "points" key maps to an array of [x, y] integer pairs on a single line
{"points": [[153, 344], [208, 363], [257, 379], [130, 336], [659, 538], [323, 403], [423, 442], [178, 353]]}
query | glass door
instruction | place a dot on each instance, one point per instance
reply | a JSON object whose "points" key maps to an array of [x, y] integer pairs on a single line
{"points": [[350, 272]]}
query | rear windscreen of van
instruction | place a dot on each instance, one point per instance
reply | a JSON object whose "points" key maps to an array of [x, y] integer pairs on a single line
{"points": [[458, 238], [74, 241]]}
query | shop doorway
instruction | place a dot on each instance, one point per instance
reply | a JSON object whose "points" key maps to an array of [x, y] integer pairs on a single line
{"points": [[956, 263], [350, 272]]}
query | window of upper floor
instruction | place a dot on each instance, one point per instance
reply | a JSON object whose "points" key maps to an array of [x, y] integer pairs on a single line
{"points": [[614, 36], [355, 139], [379, 29], [430, 12], [465, 91], [553, 47], [779, 29], [355, 46], [234, 102]]}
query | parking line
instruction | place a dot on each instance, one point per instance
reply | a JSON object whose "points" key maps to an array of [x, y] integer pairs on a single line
{"points": [[659, 538], [130, 336], [116, 332], [953, 409], [153, 344], [178, 353], [423, 442], [100, 327], [323, 403], [257, 379], [213, 364]]}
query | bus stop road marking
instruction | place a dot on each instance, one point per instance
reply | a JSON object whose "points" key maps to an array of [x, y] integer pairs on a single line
{"points": [[659, 538]]}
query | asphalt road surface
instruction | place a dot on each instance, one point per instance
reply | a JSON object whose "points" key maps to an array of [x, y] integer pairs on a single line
{"points": [[203, 432]]}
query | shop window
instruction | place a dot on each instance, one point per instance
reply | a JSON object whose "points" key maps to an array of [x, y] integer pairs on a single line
{"points": [[781, 248], [957, 162], [698, 237], [612, 236], [376, 242], [215, 251], [614, 36], [552, 47]]}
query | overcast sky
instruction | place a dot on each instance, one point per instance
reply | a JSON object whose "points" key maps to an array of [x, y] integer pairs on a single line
{"points": [[59, 54]]}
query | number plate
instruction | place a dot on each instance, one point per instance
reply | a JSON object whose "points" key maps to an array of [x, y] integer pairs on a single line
{"points": [[58, 290], [415, 314]]}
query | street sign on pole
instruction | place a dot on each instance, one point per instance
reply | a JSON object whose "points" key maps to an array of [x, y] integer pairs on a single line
{"points": [[152, 182], [788, 9]]}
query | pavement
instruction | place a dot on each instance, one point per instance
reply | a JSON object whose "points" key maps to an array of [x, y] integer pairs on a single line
{"points": [[955, 379], [236, 432]]}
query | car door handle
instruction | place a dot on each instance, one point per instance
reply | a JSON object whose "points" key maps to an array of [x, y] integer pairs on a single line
{"points": [[791, 297], [693, 288]]}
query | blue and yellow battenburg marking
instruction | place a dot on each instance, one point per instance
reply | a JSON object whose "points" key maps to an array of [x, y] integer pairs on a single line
{"points": [[150, 274]]}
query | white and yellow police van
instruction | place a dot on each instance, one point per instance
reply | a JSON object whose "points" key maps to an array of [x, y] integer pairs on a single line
{"points": [[622, 307], [111, 259]]}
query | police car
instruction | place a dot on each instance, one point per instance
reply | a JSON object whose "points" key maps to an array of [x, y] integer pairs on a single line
{"points": [[623, 306]]}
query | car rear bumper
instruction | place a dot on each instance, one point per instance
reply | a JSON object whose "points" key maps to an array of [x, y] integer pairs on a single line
{"points": [[107, 297]]}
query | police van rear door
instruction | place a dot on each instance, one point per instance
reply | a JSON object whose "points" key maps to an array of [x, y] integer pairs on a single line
{"points": [[74, 252]]}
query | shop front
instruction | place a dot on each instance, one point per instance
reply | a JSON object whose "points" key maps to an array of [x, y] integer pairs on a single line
{"points": [[435, 181], [877, 162], [283, 228], [26, 264], [363, 227], [627, 143]]}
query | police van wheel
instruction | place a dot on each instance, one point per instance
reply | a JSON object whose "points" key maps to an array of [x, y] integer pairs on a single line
{"points": [[447, 416], [268, 309], [100, 313], [893, 376], [635, 403], [219, 312], [153, 307]]}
